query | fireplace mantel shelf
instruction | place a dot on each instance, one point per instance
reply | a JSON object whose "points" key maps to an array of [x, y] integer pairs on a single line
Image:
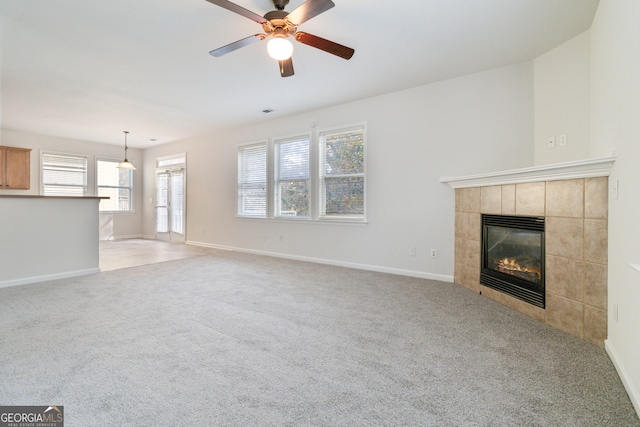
{"points": [[590, 168]]}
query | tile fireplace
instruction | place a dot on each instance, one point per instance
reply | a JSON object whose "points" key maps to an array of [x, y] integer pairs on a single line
{"points": [[572, 200]]}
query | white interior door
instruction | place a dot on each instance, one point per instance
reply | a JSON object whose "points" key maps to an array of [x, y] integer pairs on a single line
{"points": [[170, 203]]}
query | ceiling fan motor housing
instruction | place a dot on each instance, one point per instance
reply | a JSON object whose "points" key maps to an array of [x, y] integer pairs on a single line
{"points": [[277, 24], [280, 4]]}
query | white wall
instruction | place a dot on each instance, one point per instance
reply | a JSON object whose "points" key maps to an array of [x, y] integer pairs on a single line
{"points": [[45, 238], [478, 123], [615, 125], [116, 225], [1, 55], [561, 88]]}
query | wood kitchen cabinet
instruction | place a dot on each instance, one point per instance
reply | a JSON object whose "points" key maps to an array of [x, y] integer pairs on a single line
{"points": [[15, 169]]}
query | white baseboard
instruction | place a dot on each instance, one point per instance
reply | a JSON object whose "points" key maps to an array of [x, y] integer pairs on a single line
{"points": [[634, 395], [380, 269], [131, 236], [47, 277]]}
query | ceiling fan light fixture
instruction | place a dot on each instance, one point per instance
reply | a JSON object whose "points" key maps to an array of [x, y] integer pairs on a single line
{"points": [[280, 48]]}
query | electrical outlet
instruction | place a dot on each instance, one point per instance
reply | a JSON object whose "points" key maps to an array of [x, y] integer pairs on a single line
{"points": [[434, 253], [551, 142], [562, 141], [412, 251]]}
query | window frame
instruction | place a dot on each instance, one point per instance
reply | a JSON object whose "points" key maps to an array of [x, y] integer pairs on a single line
{"points": [[170, 165], [130, 187], [315, 181], [277, 180], [171, 162], [321, 188], [43, 185]]}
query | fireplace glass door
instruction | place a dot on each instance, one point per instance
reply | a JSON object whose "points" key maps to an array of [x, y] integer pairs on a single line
{"points": [[513, 256], [517, 253]]}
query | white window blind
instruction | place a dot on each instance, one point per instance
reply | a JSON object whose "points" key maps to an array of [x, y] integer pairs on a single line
{"points": [[117, 184], [64, 175], [162, 200], [177, 201], [342, 173], [252, 180], [292, 177]]}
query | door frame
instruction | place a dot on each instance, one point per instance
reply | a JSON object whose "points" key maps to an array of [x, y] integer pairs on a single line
{"points": [[167, 165]]}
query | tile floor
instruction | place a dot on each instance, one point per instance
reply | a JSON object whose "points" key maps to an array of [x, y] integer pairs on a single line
{"points": [[116, 254]]}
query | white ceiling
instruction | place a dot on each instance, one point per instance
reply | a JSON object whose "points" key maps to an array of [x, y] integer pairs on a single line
{"points": [[89, 69]]}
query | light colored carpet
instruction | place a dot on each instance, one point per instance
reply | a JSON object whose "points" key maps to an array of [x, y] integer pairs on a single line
{"points": [[232, 339]]}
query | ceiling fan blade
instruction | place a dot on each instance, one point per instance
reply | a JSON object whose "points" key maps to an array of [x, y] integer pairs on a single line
{"points": [[286, 67], [239, 10], [236, 45], [308, 10], [326, 45]]}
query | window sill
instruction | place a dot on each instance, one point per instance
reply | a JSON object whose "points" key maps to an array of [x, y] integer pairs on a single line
{"points": [[292, 220], [117, 212]]}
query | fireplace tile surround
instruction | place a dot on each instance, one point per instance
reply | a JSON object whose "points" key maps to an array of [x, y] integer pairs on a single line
{"points": [[575, 207]]}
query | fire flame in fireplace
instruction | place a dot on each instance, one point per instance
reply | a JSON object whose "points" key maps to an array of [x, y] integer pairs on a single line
{"points": [[511, 266]]}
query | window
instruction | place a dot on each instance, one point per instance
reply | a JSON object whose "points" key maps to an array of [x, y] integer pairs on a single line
{"points": [[292, 177], [171, 161], [252, 180], [64, 175], [312, 176], [117, 184], [341, 177]]}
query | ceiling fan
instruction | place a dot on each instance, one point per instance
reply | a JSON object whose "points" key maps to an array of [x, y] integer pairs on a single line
{"points": [[279, 25]]}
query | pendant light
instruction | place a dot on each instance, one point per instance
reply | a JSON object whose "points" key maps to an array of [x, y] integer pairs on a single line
{"points": [[125, 164]]}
